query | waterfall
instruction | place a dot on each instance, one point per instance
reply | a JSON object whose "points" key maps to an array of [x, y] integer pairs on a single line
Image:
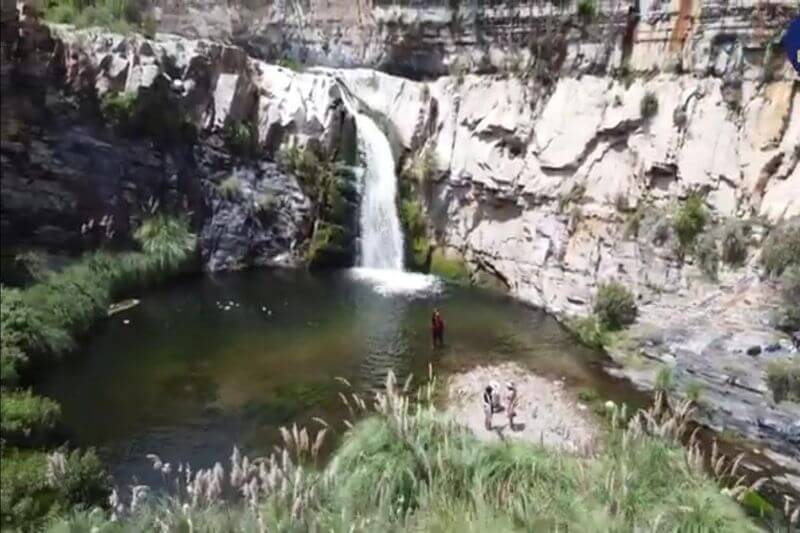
{"points": [[381, 234], [381, 257]]}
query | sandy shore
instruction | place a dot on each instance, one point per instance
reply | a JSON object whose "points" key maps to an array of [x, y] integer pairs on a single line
{"points": [[545, 413]]}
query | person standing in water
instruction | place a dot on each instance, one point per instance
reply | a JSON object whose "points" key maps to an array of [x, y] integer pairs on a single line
{"points": [[437, 328]]}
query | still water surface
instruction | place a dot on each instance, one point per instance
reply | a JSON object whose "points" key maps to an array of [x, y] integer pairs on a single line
{"points": [[209, 362]]}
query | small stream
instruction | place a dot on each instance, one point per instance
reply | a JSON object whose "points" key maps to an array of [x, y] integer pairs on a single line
{"points": [[211, 362]]}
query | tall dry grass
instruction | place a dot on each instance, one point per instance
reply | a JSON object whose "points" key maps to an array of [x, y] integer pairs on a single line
{"points": [[403, 466]]}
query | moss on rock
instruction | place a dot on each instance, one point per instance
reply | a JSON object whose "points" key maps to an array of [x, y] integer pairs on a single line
{"points": [[449, 265]]}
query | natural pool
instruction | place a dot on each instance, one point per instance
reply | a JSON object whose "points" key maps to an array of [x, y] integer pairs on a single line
{"points": [[213, 361]]}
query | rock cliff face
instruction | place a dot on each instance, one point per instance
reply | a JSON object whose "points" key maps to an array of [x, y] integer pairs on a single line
{"points": [[560, 149]]}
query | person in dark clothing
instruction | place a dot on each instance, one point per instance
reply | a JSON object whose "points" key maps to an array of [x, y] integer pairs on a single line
{"points": [[437, 328], [488, 407]]}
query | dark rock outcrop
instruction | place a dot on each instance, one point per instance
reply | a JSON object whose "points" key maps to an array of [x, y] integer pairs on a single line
{"points": [[72, 178]]}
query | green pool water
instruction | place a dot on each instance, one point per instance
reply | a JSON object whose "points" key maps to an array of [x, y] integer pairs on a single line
{"points": [[210, 362]]}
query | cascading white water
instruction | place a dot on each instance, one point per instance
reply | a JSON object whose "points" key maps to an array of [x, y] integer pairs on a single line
{"points": [[381, 258], [381, 234]]}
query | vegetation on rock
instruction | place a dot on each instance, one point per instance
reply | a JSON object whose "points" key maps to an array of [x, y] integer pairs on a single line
{"points": [[648, 107], [449, 266], [734, 243], [783, 378], [707, 255], [614, 306], [789, 313], [230, 188], [416, 174], [781, 248], [36, 488], [689, 221], [119, 16], [587, 9], [163, 119], [24, 416], [240, 139]]}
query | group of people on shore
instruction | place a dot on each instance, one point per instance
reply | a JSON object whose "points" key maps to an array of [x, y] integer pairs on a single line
{"points": [[492, 403]]}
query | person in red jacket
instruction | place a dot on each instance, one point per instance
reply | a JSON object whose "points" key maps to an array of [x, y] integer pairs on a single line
{"points": [[437, 328]]}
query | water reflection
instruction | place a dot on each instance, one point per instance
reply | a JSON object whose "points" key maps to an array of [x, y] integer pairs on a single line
{"points": [[204, 364]]}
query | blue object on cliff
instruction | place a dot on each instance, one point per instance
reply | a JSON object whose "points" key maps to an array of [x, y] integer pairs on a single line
{"points": [[791, 43]]}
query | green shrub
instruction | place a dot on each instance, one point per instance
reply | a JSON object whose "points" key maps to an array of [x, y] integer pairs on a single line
{"points": [[694, 391], [119, 109], [289, 63], [240, 139], [783, 378], [789, 313], [326, 247], [266, 204], [421, 167], [167, 240], [26, 500], [689, 220], [588, 395], [614, 306], [648, 107], [305, 165], [734, 244], [83, 481], [591, 332], [230, 188], [28, 328], [634, 222], [451, 268], [149, 26], [665, 379], [25, 416], [587, 9], [120, 16], [707, 256], [781, 249]]}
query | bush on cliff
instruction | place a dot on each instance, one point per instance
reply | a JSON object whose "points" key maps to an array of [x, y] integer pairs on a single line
{"points": [[707, 256], [587, 9], [119, 16], [688, 221], [240, 139], [36, 488], [783, 378], [614, 306], [789, 312], [648, 107], [25, 417], [781, 249], [734, 243]]}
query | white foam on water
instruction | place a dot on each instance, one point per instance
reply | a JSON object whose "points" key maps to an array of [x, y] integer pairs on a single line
{"points": [[391, 282]]}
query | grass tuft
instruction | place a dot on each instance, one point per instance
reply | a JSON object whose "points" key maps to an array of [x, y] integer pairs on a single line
{"points": [[614, 306]]}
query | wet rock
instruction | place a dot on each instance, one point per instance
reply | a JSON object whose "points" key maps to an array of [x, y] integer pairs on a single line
{"points": [[753, 351]]}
